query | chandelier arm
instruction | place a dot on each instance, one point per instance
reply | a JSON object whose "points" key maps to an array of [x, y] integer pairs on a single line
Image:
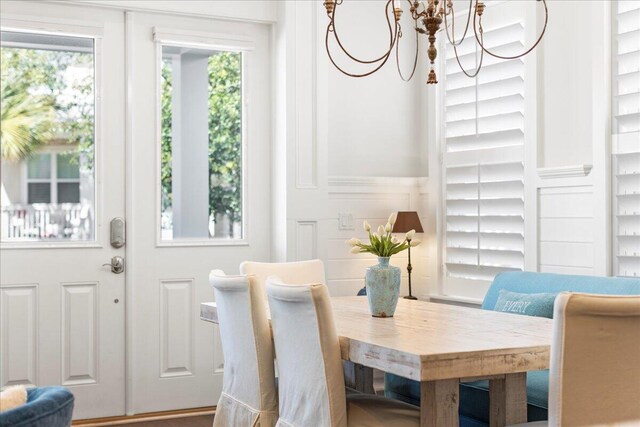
{"points": [[477, 71], [326, 42], [544, 28], [393, 32], [453, 20], [415, 60]]}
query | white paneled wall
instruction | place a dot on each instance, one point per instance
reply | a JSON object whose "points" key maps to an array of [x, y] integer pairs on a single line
{"points": [[566, 230]]}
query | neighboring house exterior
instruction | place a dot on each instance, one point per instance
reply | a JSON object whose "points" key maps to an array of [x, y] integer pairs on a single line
{"points": [[48, 196]]}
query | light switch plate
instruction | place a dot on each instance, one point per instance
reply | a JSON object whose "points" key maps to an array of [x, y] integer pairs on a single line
{"points": [[345, 221]]}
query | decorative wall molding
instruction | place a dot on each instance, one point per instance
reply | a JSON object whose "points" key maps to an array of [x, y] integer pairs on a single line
{"points": [[576, 171], [373, 181]]}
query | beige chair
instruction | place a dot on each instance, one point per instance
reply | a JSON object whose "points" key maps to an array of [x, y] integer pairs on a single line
{"points": [[311, 383], [249, 397], [289, 272], [595, 361]]}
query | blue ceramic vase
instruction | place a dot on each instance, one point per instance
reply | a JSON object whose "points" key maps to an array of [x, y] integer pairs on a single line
{"points": [[383, 288]]}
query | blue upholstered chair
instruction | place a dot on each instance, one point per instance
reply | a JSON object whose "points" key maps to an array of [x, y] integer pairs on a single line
{"points": [[474, 397], [45, 407]]}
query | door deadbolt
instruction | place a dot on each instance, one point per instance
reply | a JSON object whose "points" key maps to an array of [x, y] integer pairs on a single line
{"points": [[117, 264], [117, 232]]}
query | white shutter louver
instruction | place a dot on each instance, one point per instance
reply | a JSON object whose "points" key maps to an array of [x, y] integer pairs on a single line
{"points": [[626, 138], [483, 158]]}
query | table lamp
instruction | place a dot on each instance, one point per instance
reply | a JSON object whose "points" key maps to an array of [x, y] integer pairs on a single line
{"points": [[406, 222]]}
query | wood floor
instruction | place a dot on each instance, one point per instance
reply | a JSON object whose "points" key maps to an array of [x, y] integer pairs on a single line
{"points": [[199, 421]]}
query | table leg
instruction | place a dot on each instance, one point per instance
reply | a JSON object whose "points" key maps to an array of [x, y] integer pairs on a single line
{"points": [[439, 403], [508, 400], [358, 377]]}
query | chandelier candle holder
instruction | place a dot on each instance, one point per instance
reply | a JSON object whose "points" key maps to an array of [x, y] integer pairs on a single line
{"points": [[428, 17]]}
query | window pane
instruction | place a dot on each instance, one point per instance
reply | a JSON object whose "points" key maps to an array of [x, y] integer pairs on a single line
{"points": [[68, 166], [39, 167], [48, 88], [201, 144], [39, 192], [68, 192]]}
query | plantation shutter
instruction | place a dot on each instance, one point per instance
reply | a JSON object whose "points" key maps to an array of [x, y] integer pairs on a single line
{"points": [[626, 138], [483, 156]]}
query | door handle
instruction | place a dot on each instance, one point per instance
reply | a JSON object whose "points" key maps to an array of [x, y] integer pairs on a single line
{"points": [[117, 264]]}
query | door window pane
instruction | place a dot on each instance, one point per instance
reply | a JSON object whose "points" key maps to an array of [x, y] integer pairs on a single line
{"points": [[201, 144], [48, 108]]}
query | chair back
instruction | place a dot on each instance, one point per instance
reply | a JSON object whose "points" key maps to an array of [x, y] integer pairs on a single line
{"points": [[300, 272], [311, 383], [249, 396], [595, 355]]}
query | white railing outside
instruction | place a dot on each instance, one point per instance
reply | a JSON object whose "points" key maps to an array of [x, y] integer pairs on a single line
{"points": [[69, 221]]}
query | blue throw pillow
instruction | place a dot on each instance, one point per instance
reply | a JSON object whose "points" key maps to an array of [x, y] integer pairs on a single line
{"points": [[540, 305]]}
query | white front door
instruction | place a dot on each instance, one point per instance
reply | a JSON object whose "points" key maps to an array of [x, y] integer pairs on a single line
{"points": [[198, 192], [62, 313]]}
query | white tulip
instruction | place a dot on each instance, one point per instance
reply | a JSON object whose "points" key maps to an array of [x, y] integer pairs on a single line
{"points": [[354, 241], [387, 227], [355, 250], [393, 217], [415, 242], [395, 240], [410, 234], [381, 230], [366, 226], [376, 235]]}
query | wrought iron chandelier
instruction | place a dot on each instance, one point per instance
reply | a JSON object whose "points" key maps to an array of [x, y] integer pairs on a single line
{"points": [[428, 16]]}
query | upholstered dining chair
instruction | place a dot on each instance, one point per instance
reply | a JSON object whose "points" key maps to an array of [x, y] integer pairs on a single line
{"points": [[311, 385], [249, 397], [595, 361], [299, 272]]}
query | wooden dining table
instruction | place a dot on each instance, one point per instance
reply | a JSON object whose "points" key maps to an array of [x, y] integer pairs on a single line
{"points": [[441, 345]]}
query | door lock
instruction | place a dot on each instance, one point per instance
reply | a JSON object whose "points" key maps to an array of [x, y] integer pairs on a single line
{"points": [[117, 264]]}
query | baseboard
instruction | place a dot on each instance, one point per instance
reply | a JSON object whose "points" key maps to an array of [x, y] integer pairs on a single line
{"points": [[151, 416]]}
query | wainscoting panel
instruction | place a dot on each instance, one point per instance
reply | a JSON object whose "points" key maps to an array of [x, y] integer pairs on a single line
{"points": [[79, 333], [566, 229], [306, 240], [176, 327], [19, 335]]}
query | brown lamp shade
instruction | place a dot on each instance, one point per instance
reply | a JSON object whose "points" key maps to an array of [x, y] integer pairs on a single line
{"points": [[407, 221]]}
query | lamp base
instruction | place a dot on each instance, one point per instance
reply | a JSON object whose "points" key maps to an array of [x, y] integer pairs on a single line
{"points": [[411, 297]]}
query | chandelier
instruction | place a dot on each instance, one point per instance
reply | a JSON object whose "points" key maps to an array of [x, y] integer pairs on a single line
{"points": [[428, 16]]}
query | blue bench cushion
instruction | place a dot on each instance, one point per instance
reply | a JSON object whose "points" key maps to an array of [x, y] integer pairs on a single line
{"points": [[529, 282], [474, 396]]}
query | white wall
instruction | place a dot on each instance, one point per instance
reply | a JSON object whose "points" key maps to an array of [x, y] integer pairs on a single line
{"points": [[259, 11], [573, 199], [374, 122]]}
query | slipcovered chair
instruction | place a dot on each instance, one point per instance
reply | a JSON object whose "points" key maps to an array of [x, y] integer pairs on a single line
{"points": [[311, 384], [595, 359], [249, 396], [45, 407], [300, 272]]}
